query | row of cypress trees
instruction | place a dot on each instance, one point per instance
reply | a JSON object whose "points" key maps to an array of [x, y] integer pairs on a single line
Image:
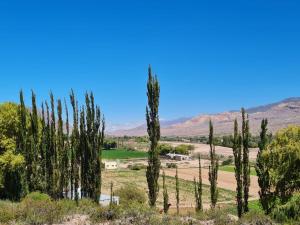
{"points": [[58, 161]]}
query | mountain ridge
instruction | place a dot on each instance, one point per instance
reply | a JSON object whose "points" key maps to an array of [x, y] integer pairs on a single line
{"points": [[280, 114]]}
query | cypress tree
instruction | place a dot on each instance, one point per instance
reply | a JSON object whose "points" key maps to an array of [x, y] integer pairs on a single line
{"points": [[165, 195], [246, 165], [43, 150], [213, 168], [198, 188], [22, 144], [67, 150], [75, 148], [237, 153], [62, 157], [153, 129], [265, 194], [177, 191], [48, 154]]}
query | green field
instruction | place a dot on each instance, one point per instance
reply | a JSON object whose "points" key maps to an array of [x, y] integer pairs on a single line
{"points": [[231, 169], [122, 154]]}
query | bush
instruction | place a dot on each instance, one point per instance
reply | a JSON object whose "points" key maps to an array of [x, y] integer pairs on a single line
{"points": [[37, 208], [255, 218], [171, 165], [228, 161], [137, 166], [8, 211], [130, 193], [289, 211]]}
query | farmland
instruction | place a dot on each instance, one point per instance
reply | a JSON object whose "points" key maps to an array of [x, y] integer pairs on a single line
{"points": [[122, 154]]}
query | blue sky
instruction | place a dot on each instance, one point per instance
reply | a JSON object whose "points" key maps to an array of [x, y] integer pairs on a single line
{"points": [[210, 56]]}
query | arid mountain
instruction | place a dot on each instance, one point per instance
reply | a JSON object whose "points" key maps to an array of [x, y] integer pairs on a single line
{"points": [[280, 115]]}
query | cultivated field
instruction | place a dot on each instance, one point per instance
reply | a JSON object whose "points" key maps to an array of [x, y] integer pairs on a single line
{"points": [[138, 178]]}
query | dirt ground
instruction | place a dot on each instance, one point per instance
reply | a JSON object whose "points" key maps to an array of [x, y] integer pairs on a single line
{"points": [[204, 149], [226, 180]]}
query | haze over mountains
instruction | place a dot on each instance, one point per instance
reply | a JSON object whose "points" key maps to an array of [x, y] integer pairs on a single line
{"points": [[280, 115]]}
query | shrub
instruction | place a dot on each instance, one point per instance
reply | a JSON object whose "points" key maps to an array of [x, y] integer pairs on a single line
{"points": [[228, 161], [289, 211], [137, 166], [37, 208], [171, 165], [8, 211], [255, 218], [130, 193]]}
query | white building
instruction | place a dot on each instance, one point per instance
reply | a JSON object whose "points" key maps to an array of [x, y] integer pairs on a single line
{"points": [[178, 157], [111, 165]]}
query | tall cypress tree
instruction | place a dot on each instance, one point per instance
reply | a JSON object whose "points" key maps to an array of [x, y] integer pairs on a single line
{"points": [[43, 150], [237, 153], [213, 168], [265, 194], [165, 195], [246, 165], [22, 144], [75, 158], [62, 158], [198, 187], [177, 191], [48, 154], [67, 152], [153, 129]]}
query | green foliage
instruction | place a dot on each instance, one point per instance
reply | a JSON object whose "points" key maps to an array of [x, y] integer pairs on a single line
{"points": [[153, 129], [183, 149], [137, 166], [228, 161], [198, 188], [11, 161], [282, 158], [288, 212], [246, 164], [177, 191], [262, 170], [237, 153], [165, 195], [130, 193], [213, 168], [171, 165]]}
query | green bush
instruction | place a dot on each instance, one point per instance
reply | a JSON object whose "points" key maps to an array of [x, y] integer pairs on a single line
{"points": [[171, 165], [37, 208], [130, 193], [289, 211], [255, 218], [228, 161], [137, 166], [8, 211]]}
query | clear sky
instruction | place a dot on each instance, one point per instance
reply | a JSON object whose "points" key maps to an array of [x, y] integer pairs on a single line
{"points": [[210, 56]]}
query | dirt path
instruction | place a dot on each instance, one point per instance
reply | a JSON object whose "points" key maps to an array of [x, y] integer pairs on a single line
{"points": [[226, 180]]}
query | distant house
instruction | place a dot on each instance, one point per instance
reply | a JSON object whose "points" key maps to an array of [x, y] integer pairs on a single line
{"points": [[178, 157], [111, 165]]}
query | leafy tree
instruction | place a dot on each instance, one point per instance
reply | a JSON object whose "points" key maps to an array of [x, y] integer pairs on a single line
{"points": [[153, 129], [246, 165], [282, 158], [213, 168], [237, 153], [11, 160], [165, 195]]}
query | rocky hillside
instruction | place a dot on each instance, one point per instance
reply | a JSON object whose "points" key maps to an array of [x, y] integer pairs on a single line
{"points": [[280, 114]]}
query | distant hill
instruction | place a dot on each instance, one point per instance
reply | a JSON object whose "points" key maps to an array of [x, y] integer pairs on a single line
{"points": [[280, 115]]}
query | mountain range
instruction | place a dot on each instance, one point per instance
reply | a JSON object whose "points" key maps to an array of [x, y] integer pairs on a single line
{"points": [[279, 114]]}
